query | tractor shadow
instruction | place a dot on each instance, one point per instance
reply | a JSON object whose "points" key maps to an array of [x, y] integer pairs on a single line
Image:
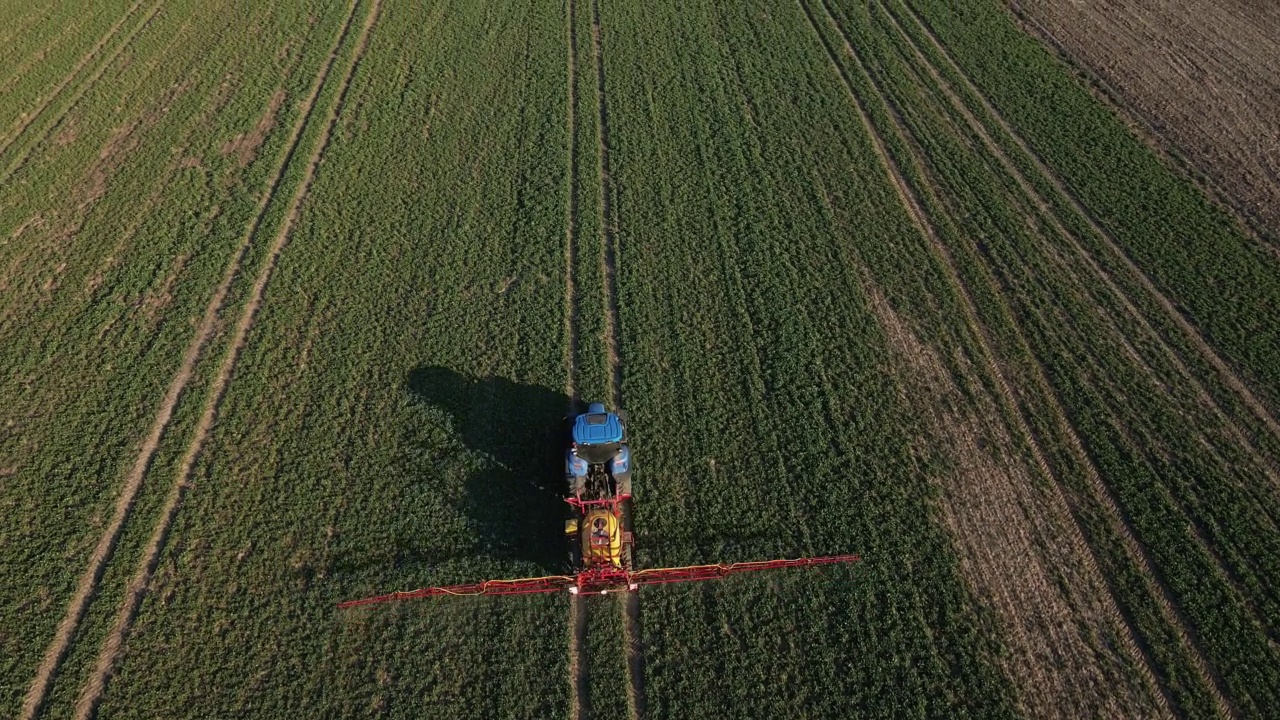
{"points": [[515, 501]]}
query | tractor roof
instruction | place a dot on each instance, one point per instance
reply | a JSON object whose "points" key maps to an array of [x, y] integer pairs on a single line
{"points": [[597, 428]]}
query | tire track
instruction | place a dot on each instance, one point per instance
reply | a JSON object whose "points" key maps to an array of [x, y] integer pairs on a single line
{"points": [[196, 125], [1206, 351], [1200, 535], [608, 223], [1045, 591], [577, 607], [630, 603], [571, 214], [25, 120], [578, 698], [1239, 435], [1100, 493], [28, 118], [57, 649], [1008, 399], [92, 693], [1223, 570]]}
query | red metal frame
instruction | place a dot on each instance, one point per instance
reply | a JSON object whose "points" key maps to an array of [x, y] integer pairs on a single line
{"points": [[600, 581], [613, 503], [523, 586], [691, 573]]}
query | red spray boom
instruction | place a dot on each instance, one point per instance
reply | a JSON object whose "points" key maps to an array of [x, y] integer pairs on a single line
{"points": [[597, 581]]}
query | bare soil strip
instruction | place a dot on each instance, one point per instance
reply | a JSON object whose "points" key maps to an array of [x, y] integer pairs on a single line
{"points": [[133, 482], [245, 145], [92, 692], [1014, 544], [1239, 434], [1191, 332], [29, 117], [1009, 402], [1100, 493], [1202, 78], [577, 607]]}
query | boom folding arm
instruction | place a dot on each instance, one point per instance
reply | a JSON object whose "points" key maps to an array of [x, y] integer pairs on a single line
{"points": [[602, 581]]}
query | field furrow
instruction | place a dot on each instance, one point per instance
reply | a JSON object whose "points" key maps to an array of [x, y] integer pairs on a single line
{"points": [[109, 408], [1116, 253], [608, 222], [132, 483], [925, 225], [571, 207], [1000, 525], [1240, 435], [1190, 403], [579, 697], [1065, 427], [91, 695], [30, 289], [579, 701], [629, 603], [1093, 363], [432, 318], [27, 117], [1218, 59], [1147, 210], [1223, 513], [754, 465], [296, 298], [22, 152], [68, 29]]}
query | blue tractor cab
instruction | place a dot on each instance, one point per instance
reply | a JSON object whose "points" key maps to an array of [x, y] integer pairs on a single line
{"points": [[598, 462]]}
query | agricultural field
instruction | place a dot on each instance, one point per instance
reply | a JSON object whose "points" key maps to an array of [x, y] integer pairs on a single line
{"points": [[1220, 60], [294, 298]]}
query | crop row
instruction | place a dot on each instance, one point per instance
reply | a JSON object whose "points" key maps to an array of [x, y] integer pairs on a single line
{"points": [[128, 215], [49, 46], [965, 242], [1197, 513], [778, 176], [754, 374], [394, 411], [1220, 278]]}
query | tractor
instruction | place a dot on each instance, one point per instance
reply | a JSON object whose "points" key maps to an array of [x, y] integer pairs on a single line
{"points": [[598, 474], [598, 470], [597, 464]]}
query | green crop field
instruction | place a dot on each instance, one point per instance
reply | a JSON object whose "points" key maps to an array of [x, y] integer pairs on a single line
{"points": [[294, 298]]}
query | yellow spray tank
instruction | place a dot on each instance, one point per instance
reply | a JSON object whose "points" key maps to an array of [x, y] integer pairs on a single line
{"points": [[601, 539]]}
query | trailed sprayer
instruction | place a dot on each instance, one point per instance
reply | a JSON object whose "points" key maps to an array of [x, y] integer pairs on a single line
{"points": [[598, 472]]}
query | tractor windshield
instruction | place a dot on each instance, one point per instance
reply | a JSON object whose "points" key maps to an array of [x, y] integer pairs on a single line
{"points": [[597, 454]]}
